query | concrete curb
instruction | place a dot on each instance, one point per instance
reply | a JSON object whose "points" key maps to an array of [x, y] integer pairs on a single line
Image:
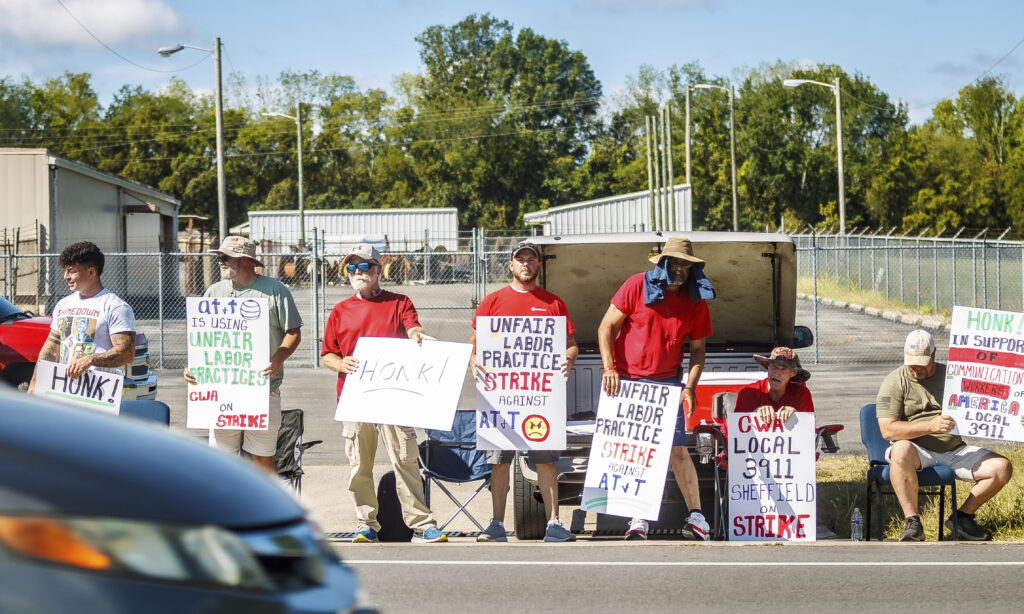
{"points": [[911, 319]]}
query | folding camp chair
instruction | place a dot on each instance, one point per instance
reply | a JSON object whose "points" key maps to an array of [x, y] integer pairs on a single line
{"points": [[150, 411], [290, 448], [451, 456]]}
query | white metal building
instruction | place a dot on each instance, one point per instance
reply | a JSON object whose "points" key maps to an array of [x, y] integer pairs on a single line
{"points": [[624, 213], [338, 229]]}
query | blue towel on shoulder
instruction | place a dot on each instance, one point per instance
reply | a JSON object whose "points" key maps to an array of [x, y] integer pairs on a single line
{"points": [[656, 280]]}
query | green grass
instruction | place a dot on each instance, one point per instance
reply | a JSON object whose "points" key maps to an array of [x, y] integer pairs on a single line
{"points": [[842, 486], [850, 293]]}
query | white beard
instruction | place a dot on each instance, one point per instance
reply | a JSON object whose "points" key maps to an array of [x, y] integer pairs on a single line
{"points": [[359, 284]]}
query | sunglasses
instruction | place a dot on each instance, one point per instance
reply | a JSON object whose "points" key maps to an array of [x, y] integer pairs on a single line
{"points": [[362, 266], [223, 258]]}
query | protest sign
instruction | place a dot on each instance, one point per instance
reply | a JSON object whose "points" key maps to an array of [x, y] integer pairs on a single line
{"points": [[630, 450], [521, 396], [772, 481], [403, 383], [95, 389], [985, 373], [228, 347]]}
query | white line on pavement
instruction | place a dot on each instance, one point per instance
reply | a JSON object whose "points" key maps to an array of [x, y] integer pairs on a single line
{"points": [[701, 563]]}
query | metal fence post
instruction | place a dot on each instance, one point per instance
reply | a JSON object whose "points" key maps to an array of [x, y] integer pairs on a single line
{"points": [[952, 253], [984, 273], [935, 273], [160, 301], [315, 283], [918, 253], [814, 265], [999, 271], [974, 271]]}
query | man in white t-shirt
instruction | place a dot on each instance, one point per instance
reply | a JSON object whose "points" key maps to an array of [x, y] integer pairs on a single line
{"points": [[91, 327]]}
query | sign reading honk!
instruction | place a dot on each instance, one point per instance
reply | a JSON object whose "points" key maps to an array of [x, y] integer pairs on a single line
{"points": [[228, 346], [95, 389]]}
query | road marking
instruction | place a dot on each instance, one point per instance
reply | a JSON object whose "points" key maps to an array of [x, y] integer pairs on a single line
{"points": [[700, 563]]}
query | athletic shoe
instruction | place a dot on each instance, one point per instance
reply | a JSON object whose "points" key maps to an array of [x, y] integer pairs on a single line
{"points": [[364, 535], [558, 533], [495, 532], [637, 529], [429, 536], [696, 528], [967, 528], [912, 530]]}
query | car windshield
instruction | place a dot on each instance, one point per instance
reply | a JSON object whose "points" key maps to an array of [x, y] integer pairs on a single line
{"points": [[7, 310]]}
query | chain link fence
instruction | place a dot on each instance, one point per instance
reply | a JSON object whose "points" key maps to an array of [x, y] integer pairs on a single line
{"points": [[445, 285], [857, 289]]}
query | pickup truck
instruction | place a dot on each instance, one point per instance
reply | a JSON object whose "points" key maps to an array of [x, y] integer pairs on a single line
{"points": [[754, 275], [22, 335]]}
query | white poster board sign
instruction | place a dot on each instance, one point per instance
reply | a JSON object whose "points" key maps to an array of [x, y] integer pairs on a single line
{"points": [[228, 347], [985, 373], [630, 450], [520, 399], [403, 383], [772, 480], [95, 389]]}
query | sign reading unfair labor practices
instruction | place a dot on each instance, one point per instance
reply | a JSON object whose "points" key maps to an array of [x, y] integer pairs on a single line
{"points": [[95, 389], [772, 481], [403, 383], [228, 348], [985, 373], [520, 398], [630, 450]]}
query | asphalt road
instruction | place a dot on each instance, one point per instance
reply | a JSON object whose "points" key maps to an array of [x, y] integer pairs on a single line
{"points": [[666, 576]]}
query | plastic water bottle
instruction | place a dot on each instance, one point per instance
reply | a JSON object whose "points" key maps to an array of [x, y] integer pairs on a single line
{"points": [[856, 526]]}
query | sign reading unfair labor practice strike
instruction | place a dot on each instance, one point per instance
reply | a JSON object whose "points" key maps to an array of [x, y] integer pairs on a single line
{"points": [[521, 397], [772, 481], [96, 388], [228, 347], [630, 450], [985, 373], [403, 383]]}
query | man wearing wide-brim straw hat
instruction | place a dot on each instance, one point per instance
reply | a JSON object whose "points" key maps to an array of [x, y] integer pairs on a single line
{"points": [[782, 393], [643, 337]]}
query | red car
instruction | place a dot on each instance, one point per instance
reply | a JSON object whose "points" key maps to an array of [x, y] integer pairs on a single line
{"points": [[22, 335]]}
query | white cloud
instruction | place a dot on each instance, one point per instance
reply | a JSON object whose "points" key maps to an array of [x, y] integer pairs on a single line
{"points": [[47, 24]]}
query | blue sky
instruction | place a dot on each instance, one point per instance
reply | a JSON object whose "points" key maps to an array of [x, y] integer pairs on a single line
{"points": [[919, 51]]}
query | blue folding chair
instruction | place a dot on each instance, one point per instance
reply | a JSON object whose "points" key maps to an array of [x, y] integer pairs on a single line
{"points": [[937, 478], [151, 411], [451, 456]]}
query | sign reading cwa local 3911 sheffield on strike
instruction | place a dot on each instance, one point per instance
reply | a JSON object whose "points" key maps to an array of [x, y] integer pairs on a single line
{"points": [[521, 396], [95, 389], [985, 373], [772, 482], [630, 450], [228, 347]]}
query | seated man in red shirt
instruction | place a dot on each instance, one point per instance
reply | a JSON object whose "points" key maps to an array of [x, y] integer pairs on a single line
{"points": [[780, 394]]}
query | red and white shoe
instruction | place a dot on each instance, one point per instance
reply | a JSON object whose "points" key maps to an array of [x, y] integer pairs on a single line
{"points": [[696, 528], [637, 529]]}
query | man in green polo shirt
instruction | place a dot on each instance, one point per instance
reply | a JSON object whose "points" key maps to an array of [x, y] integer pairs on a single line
{"points": [[910, 416]]}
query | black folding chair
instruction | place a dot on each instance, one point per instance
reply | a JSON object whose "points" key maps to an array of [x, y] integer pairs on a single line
{"points": [[290, 448], [451, 456]]}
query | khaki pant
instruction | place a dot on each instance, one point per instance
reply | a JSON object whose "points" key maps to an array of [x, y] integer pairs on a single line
{"points": [[400, 442]]}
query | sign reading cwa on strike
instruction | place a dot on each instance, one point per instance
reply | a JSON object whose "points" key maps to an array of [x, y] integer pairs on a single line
{"points": [[228, 347], [95, 389], [630, 451], [772, 481], [521, 396], [403, 383], [985, 373]]}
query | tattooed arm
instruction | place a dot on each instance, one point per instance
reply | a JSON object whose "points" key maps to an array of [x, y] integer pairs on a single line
{"points": [[50, 351], [122, 353]]}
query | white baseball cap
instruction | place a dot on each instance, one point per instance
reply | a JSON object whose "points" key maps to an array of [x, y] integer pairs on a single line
{"points": [[919, 348]]}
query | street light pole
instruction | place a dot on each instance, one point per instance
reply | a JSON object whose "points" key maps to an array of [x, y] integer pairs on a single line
{"points": [[834, 86], [302, 201], [218, 101], [688, 134], [732, 144]]}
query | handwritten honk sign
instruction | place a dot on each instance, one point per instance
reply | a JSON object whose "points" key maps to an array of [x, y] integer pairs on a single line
{"points": [[228, 347], [521, 393], [403, 383], [95, 389]]}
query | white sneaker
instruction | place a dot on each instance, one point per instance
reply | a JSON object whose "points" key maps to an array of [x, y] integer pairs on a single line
{"points": [[696, 528], [637, 529]]}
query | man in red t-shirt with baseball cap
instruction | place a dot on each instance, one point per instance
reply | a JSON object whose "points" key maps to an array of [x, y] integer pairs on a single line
{"points": [[643, 337], [523, 297]]}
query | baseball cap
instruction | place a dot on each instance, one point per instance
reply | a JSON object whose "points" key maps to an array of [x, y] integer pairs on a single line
{"points": [[525, 245], [235, 246], [919, 348], [365, 251]]}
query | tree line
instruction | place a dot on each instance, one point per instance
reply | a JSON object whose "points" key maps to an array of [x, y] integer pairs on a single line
{"points": [[501, 121]]}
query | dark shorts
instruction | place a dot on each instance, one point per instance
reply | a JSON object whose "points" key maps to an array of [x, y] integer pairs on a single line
{"points": [[537, 457], [679, 435]]}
